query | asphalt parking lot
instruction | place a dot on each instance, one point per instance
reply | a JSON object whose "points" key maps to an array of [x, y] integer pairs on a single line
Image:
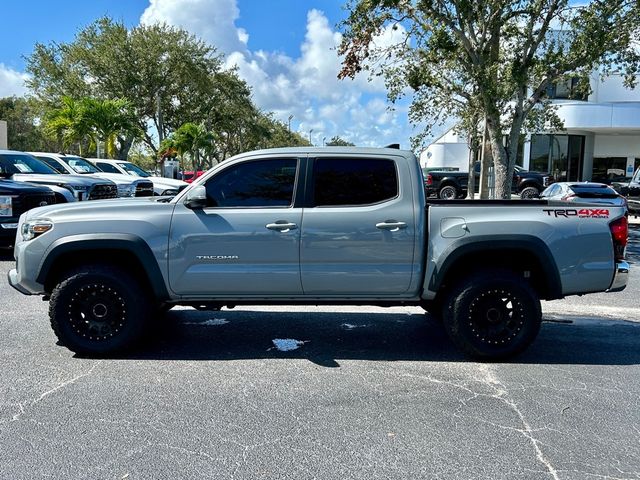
{"points": [[326, 393]]}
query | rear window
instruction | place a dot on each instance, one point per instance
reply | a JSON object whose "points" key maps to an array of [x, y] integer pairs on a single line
{"points": [[354, 181], [593, 191]]}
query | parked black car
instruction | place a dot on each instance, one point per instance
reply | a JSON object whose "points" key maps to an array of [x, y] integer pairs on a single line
{"points": [[15, 199], [450, 185]]}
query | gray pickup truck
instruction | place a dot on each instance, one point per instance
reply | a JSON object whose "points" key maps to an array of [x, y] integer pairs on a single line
{"points": [[338, 226]]}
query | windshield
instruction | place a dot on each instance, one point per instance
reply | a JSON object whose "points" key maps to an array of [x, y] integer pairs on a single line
{"points": [[134, 169], [80, 165], [22, 163]]}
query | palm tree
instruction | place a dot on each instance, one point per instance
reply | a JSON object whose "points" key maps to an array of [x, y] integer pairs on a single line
{"points": [[194, 139], [108, 119], [68, 124], [92, 121]]}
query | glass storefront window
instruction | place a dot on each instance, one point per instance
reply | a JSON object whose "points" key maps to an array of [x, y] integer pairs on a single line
{"points": [[560, 155], [539, 159], [611, 169]]}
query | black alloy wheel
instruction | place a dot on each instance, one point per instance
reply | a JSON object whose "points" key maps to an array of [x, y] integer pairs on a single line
{"points": [[493, 315], [98, 310]]}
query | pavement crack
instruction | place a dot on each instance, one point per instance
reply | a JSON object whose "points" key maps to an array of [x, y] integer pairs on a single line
{"points": [[502, 394], [24, 406]]}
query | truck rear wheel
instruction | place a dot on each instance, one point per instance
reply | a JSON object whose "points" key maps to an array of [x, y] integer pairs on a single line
{"points": [[493, 315], [448, 192], [99, 310]]}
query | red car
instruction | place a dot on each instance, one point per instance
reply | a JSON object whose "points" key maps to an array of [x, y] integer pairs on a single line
{"points": [[188, 176]]}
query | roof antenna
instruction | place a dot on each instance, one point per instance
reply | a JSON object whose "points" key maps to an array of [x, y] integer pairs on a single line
{"points": [[393, 145]]}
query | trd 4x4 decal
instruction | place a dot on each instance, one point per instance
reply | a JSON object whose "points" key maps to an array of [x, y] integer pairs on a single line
{"points": [[580, 213]]}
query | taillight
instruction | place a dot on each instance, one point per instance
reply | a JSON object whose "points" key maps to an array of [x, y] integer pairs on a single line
{"points": [[619, 233], [428, 180]]}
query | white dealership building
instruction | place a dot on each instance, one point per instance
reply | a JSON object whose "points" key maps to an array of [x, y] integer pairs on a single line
{"points": [[600, 140]]}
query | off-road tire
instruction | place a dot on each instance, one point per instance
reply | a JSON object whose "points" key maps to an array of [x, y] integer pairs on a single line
{"points": [[492, 315], [448, 192], [99, 310]]}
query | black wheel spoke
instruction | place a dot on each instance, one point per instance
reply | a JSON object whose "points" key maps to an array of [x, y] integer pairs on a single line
{"points": [[97, 312]]}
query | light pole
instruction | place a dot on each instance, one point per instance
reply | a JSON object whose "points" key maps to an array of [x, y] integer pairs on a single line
{"points": [[290, 117], [323, 139], [310, 132]]}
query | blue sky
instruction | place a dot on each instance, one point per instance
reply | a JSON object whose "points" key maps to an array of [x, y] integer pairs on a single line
{"points": [[285, 49]]}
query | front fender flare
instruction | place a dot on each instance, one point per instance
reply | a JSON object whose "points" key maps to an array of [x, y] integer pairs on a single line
{"points": [[96, 241]]}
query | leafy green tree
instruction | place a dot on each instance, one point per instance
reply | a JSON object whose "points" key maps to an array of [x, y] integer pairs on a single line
{"points": [[23, 126], [337, 141], [490, 61], [166, 74]]}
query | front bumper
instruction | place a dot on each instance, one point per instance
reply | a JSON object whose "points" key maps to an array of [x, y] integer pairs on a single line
{"points": [[13, 281], [22, 278], [620, 277]]}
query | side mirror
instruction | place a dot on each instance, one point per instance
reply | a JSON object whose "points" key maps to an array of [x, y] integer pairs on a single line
{"points": [[196, 198]]}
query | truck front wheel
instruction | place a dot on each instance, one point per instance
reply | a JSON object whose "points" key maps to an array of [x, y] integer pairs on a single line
{"points": [[98, 310], [493, 315]]}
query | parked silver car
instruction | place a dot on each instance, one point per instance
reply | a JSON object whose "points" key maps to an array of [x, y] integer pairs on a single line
{"points": [[583, 192]]}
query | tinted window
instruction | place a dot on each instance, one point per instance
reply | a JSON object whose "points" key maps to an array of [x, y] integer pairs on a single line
{"points": [[22, 163], [261, 183], [354, 181], [586, 190], [106, 167], [56, 165]]}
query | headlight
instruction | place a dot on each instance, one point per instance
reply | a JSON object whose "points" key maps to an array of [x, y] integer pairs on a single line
{"points": [[79, 188], [126, 190], [6, 206], [35, 228]]}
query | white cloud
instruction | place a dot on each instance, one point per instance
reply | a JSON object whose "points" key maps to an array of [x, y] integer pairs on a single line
{"points": [[12, 82], [306, 87], [211, 20]]}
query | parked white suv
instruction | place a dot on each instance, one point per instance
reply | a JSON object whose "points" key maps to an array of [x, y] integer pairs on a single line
{"points": [[75, 165], [161, 185]]}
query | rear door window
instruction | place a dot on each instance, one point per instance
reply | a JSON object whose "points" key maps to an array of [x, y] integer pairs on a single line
{"points": [[353, 181]]}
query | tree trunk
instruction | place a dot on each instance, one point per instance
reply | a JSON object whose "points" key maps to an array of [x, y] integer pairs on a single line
{"points": [[125, 145]]}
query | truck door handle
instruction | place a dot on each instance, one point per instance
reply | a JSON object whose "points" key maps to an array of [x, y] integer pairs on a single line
{"points": [[391, 225], [281, 226]]}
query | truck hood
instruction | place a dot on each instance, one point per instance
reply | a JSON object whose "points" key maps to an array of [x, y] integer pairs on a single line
{"points": [[82, 180], [117, 178], [171, 182], [107, 209], [9, 187]]}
